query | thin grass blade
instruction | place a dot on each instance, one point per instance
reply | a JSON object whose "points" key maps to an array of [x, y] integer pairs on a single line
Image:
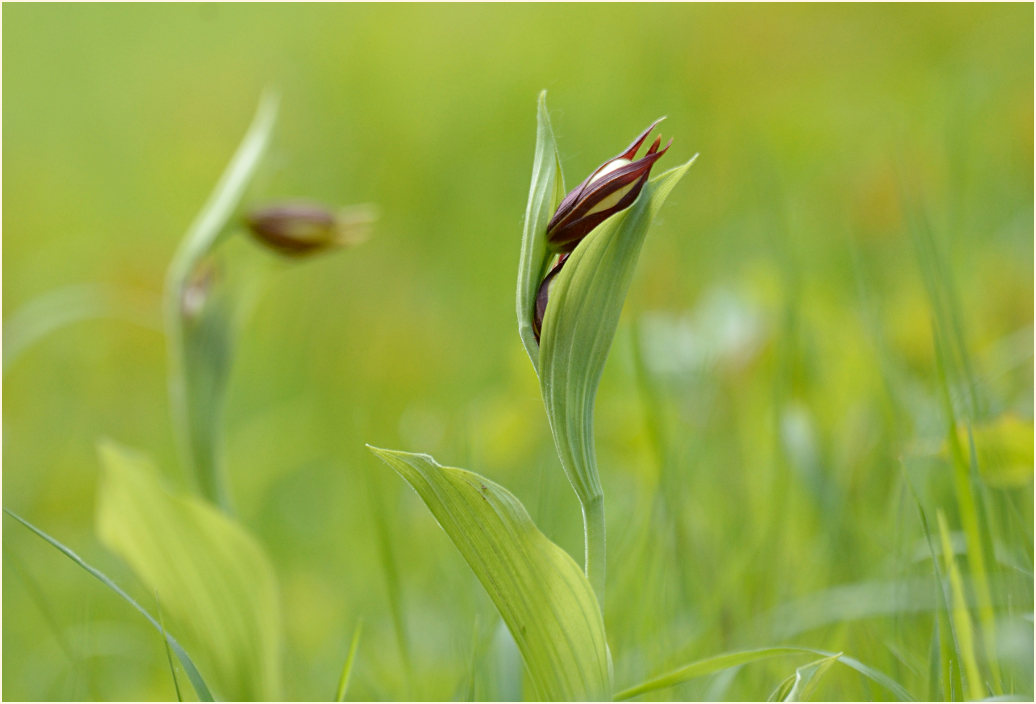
{"points": [[805, 679], [944, 676], [200, 688], [168, 654], [390, 572], [959, 615], [962, 398], [347, 668], [716, 663]]}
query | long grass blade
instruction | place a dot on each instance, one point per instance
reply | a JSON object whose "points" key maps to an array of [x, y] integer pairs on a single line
{"points": [[36, 593], [959, 615], [200, 688], [716, 663], [962, 400], [347, 668], [805, 679], [168, 653], [944, 678], [390, 572]]}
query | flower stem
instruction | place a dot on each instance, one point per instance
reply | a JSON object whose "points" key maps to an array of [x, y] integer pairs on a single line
{"points": [[595, 544]]}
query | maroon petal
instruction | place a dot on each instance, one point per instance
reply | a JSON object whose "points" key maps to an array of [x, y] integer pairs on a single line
{"points": [[631, 150], [567, 228], [541, 297]]}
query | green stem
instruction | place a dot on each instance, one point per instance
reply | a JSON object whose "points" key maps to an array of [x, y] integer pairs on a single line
{"points": [[192, 364], [971, 525], [595, 544]]}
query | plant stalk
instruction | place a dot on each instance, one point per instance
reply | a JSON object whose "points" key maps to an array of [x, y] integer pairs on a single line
{"points": [[595, 544], [198, 365]]}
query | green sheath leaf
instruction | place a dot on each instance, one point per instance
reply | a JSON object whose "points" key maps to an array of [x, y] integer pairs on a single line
{"points": [[541, 593], [586, 299], [212, 578], [545, 192]]}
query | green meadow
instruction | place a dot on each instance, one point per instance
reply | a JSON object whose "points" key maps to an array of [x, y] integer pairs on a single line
{"points": [[814, 428]]}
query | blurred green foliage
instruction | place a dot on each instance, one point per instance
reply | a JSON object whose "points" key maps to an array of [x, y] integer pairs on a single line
{"points": [[772, 399]]}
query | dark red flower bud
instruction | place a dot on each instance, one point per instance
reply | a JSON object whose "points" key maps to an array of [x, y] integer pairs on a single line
{"points": [[298, 229], [541, 297], [612, 187]]}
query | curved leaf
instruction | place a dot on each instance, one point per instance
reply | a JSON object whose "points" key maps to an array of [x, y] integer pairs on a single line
{"points": [[545, 192], [541, 593], [579, 324], [212, 578], [200, 349]]}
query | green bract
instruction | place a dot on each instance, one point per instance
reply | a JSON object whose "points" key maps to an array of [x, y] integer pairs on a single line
{"points": [[582, 312], [545, 192], [585, 301]]}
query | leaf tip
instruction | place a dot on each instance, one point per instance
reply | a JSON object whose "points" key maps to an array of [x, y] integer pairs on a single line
{"points": [[399, 458], [113, 454], [379, 452]]}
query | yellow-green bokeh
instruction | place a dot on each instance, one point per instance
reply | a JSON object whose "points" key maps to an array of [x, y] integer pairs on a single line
{"points": [[794, 364]]}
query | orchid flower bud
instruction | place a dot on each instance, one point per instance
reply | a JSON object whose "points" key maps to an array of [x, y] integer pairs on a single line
{"points": [[612, 187], [300, 229], [541, 297]]}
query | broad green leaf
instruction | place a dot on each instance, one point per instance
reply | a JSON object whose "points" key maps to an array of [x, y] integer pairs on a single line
{"points": [[200, 338], [540, 592], [545, 192], [212, 578], [200, 688], [716, 663], [585, 302]]}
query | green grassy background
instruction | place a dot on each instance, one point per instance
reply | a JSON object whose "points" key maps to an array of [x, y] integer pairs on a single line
{"points": [[771, 395]]}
